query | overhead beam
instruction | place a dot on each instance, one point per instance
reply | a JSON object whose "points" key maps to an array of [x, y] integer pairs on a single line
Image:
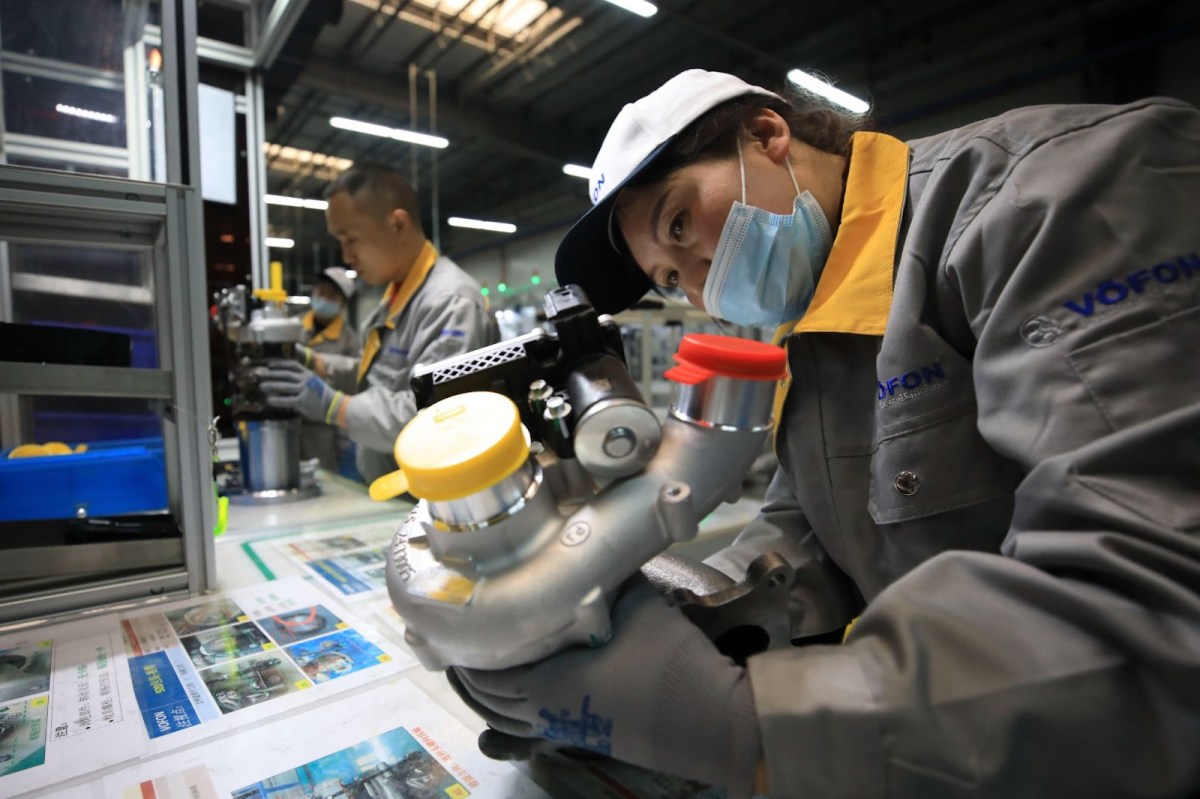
{"points": [[538, 142], [280, 22]]}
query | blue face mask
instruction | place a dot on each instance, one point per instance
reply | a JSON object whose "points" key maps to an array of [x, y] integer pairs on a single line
{"points": [[766, 265], [325, 309]]}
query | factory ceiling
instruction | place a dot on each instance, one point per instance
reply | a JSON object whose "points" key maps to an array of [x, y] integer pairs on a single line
{"points": [[520, 88]]}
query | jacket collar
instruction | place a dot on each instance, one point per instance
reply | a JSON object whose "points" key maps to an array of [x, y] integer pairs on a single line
{"points": [[331, 331], [854, 293], [398, 294]]}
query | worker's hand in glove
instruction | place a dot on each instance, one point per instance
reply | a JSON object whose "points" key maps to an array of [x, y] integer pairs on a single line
{"points": [[309, 359], [658, 695], [289, 386]]}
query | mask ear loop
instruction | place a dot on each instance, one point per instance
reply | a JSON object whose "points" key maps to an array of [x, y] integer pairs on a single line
{"points": [[792, 174], [742, 168]]}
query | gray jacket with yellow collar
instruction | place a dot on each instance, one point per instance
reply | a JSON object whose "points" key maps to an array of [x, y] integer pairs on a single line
{"points": [[990, 453], [445, 317]]}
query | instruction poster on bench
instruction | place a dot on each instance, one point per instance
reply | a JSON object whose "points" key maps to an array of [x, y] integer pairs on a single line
{"points": [[78, 696]]}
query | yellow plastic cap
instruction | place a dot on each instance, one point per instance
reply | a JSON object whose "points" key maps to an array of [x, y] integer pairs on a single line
{"points": [[271, 295], [461, 446]]}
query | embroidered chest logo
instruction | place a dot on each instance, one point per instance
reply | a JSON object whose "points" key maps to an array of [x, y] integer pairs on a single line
{"points": [[1115, 292], [912, 384], [1040, 331]]}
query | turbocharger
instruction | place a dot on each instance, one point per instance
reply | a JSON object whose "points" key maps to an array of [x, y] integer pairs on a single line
{"points": [[544, 481]]}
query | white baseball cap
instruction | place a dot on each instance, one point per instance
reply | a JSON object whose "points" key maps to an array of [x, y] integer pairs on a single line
{"points": [[344, 282], [588, 255]]}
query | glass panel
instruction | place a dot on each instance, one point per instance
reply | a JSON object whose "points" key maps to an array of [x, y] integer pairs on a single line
{"points": [[99, 300], [83, 86], [219, 22], [60, 110], [84, 496], [80, 31]]}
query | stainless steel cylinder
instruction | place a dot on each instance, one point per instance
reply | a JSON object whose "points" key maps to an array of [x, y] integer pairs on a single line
{"points": [[270, 453], [726, 403], [484, 508], [617, 437]]}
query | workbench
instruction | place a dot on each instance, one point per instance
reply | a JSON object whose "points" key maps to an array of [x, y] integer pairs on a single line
{"points": [[293, 679]]}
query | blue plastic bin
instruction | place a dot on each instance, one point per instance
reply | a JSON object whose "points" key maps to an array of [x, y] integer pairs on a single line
{"points": [[109, 479]]}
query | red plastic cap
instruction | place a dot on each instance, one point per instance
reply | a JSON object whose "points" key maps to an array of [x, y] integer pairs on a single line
{"points": [[703, 355]]}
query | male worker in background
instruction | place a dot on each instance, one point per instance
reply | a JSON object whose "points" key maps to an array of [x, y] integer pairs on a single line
{"points": [[327, 331], [431, 310]]}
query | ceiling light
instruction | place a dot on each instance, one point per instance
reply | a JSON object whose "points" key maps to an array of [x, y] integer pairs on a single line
{"points": [[639, 7], [297, 300], [817, 86], [399, 134], [577, 171], [480, 224], [505, 17], [295, 202], [283, 244], [95, 116], [278, 151]]}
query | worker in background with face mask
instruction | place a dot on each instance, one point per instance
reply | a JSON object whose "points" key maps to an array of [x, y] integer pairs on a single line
{"points": [[327, 331], [430, 310], [989, 452]]}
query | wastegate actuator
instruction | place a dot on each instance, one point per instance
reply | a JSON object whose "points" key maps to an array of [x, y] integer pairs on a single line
{"points": [[544, 481]]}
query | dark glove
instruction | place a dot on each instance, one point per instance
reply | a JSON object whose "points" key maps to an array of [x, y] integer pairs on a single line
{"points": [[658, 695], [288, 385]]}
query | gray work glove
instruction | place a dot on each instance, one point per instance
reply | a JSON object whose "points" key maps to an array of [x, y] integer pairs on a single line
{"points": [[289, 386], [310, 359], [658, 695]]}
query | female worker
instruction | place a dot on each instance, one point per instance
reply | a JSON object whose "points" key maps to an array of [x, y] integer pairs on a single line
{"points": [[989, 451], [327, 331]]}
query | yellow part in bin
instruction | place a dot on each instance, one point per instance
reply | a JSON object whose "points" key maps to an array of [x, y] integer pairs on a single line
{"points": [[49, 448], [28, 451]]}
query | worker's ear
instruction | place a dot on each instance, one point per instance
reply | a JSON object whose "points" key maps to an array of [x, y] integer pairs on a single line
{"points": [[399, 220], [770, 133]]}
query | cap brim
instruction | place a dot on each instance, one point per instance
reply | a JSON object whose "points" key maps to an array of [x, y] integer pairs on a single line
{"points": [[611, 278]]}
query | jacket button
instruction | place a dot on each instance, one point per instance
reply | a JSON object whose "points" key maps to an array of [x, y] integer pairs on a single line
{"points": [[907, 483]]}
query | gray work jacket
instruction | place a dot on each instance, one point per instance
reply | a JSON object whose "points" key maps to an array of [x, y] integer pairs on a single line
{"points": [[444, 317], [1001, 474]]}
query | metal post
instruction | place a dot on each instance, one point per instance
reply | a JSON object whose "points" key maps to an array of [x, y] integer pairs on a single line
{"points": [[137, 143], [256, 179], [10, 404], [414, 108], [433, 163], [10, 407], [280, 22], [187, 300]]}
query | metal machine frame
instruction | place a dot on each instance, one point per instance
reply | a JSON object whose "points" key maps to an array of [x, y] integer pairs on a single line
{"points": [[163, 220]]}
